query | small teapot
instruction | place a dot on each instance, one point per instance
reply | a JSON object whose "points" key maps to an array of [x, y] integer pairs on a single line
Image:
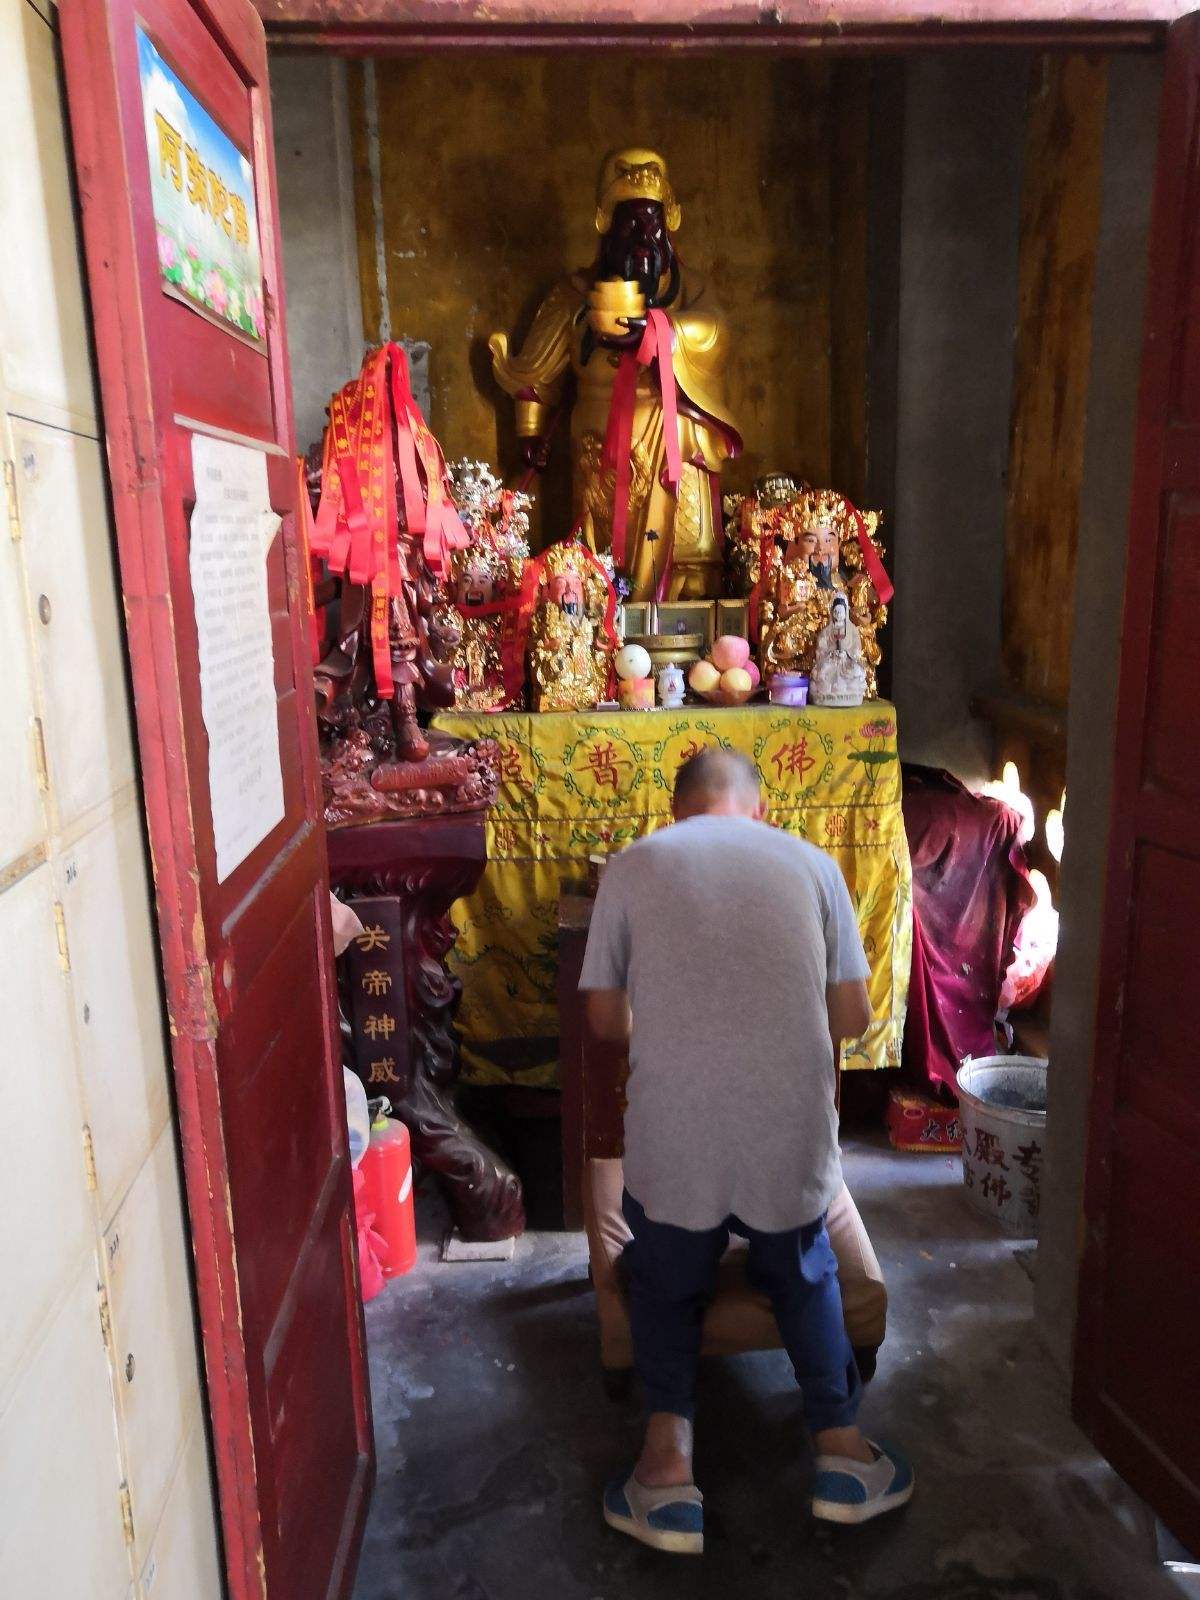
{"points": [[670, 687]]}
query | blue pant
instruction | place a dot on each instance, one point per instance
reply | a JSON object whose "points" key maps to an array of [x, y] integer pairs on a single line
{"points": [[672, 1277]]}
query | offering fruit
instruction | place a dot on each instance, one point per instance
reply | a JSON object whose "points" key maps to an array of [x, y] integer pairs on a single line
{"points": [[736, 681], [703, 677], [730, 651], [755, 674], [633, 661]]}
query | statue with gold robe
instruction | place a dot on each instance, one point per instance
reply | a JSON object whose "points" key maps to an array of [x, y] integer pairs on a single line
{"points": [[672, 543], [827, 545]]}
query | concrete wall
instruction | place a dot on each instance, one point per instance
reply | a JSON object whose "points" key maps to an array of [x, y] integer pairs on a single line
{"points": [[963, 136], [1129, 140], [316, 211]]}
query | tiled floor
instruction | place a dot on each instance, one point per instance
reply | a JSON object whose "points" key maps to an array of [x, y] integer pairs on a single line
{"points": [[495, 1438]]}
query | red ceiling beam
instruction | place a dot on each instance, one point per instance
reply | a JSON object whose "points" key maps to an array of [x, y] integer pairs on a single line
{"points": [[387, 26]]}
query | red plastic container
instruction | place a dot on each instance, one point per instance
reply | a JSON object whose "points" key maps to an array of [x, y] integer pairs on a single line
{"points": [[386, 1167]]}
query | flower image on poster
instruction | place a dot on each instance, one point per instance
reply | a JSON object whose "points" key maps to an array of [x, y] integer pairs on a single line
{"points": [[202, 188]]}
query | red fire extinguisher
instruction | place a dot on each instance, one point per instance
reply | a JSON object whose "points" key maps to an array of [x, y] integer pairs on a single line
{"points": [[386, 1167]]}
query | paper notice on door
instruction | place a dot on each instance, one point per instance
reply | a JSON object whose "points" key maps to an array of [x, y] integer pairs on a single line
{"points": [[232, 530]]}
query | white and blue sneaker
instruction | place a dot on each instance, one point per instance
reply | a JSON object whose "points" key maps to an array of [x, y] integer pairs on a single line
{"points": [[851, 1491], [665, 1519]]}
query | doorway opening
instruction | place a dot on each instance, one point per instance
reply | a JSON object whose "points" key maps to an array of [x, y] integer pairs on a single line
{"points": [[933, 267]]}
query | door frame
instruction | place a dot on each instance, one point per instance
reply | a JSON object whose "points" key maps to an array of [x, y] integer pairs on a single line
{"points": [[372, 28]]}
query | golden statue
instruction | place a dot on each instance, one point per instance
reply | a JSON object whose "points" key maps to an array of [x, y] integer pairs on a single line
{"points": [[485, 589], [822, 558], [570, 637], [637, 215]]}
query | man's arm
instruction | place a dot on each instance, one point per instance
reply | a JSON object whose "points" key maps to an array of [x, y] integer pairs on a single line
{"points": [[849, 1011], [607, 1013]]}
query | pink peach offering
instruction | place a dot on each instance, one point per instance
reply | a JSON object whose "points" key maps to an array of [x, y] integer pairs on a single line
{"points": [[730, 652]]}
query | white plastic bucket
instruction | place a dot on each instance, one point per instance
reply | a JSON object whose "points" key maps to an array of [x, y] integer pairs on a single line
{"points": [[1002, 1106]]}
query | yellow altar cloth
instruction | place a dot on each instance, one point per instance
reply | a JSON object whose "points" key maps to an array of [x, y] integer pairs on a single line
{"points": [[574, 783]]}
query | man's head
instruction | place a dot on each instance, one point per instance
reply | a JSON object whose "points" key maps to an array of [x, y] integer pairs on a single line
{"points": [[717, 783]]}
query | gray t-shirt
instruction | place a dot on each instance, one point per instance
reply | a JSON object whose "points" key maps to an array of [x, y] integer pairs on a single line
{"points": [[724, 932]]}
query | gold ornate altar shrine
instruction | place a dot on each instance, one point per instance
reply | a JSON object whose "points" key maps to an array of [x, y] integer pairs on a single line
{"points": [[574, 783]]}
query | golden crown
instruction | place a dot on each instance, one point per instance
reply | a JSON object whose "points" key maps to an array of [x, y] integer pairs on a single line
{"points": [[635, 174]]}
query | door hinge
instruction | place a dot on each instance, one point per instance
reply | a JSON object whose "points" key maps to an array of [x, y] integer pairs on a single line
{"points": [[39, 756], [105, 1320], [10, 500], [60, 931], [127, 1512], [89, 1159]]}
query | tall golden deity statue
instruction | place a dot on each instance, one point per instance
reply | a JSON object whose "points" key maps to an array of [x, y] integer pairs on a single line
{"points": [[672, 526]]}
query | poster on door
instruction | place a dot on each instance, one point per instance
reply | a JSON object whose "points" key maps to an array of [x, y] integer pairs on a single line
{"points": [[233, 527], [202, 188]]}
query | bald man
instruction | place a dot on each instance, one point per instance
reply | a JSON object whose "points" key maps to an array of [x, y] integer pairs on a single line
{"points": [[727, 953]]}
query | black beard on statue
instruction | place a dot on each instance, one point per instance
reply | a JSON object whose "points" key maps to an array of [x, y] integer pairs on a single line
{"points": [[638, 249], [646, 266]]}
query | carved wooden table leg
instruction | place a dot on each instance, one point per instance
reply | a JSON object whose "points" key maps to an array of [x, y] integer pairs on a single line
{"points": [[402, 877]]}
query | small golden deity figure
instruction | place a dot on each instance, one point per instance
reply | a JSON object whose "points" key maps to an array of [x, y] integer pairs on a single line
{"points": [[672, 548], [767, 515], [478, 669], [822, 560], [485, 588], [571, 639]]}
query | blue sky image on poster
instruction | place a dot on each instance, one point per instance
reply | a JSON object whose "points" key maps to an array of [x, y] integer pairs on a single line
{"points": [[202, 187]]}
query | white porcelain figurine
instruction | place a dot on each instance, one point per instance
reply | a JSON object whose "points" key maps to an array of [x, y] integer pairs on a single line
{"points": [[670, 687], [838, 677]]}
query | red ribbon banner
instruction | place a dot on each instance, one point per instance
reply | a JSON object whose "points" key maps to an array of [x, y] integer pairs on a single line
{"points": [[884, 587], [376, 434], [655, 348]]}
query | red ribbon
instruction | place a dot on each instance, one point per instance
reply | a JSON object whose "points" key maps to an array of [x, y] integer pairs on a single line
{"points": [[656, 346], [376, 434], [305, 535], [435, 514], [884, 587]]}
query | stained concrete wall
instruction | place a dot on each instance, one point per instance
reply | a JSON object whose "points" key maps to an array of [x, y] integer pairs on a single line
{"points": [[963, 136], [1129, 148], [316, 211]]}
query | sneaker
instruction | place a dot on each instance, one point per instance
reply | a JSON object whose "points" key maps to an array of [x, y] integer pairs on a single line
{"points": [[665, 1519], [851, 1491]]}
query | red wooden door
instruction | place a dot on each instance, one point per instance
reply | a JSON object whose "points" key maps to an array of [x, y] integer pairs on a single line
{"points": [[239, 852], [1136, 1391]]}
